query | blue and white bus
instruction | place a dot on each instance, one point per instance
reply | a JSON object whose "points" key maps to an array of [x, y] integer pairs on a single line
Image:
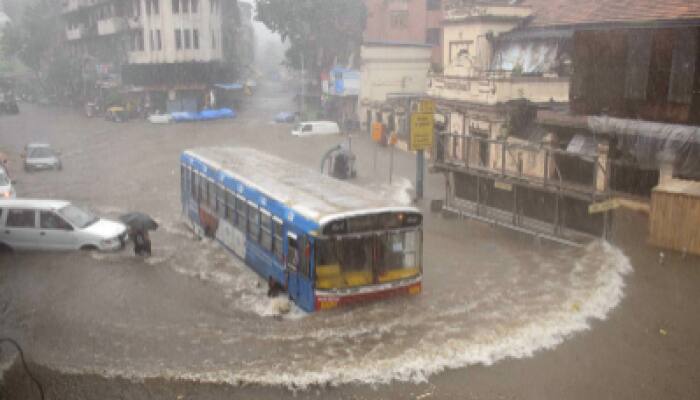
{"points": [[327, 242]]}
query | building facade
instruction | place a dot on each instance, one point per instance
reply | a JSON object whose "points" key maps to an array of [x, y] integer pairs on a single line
{"points": [[167, 53], [406, 21], [392, 74], [499, 164], [527, 96]]}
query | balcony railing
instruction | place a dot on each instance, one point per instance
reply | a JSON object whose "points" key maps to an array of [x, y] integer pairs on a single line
{"points": [[533, 164]]}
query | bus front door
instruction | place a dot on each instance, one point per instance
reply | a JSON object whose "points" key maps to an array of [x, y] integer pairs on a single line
{"points": [[300, 285]]}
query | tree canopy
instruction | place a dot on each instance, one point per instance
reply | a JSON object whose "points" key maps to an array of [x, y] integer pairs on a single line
{"points": [[321, 32], [35, 40]]}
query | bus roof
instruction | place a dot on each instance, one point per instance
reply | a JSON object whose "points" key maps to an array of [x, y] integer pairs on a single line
{"points": [[306, 191]]}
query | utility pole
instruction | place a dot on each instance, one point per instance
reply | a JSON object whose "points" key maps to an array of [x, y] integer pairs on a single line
{"points": [[422, 125], [303, 88]]}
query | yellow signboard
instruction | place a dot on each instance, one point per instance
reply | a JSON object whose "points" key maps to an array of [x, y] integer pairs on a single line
{"points": [[603, 206], [421, 131], [426, 106], [503, 186]]}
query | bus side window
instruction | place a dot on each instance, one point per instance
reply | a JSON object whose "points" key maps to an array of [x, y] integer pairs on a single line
{"points": [[254, 223], [305, 256], [230, 207], [292, 252], [195, 186], [266, 230], [241, 216], [278, 242], [184, 174], [211, 194], [203, 189], [221, 201]]}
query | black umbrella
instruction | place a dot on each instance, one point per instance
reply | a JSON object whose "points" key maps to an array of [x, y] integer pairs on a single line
{"points": [[139, 221]]}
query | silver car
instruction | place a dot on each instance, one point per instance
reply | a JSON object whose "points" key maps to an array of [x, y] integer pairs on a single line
{"points": [[38, 156]]}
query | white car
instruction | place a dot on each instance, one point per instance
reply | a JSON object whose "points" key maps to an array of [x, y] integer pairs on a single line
{"points": [[38, 156], [312, 128], [6, 189], [56, 225]]}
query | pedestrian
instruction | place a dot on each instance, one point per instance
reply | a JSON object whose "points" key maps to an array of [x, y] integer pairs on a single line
{"points": [[142, 242]]}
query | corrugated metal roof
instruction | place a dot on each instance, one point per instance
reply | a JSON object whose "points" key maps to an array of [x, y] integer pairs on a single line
{"points": [[576, 12]]}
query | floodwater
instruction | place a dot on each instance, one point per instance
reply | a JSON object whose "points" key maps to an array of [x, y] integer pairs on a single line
{"points": [[193, 311]]}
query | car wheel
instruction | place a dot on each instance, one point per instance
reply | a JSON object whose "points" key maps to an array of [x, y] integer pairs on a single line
{"points": [[5, 248]]}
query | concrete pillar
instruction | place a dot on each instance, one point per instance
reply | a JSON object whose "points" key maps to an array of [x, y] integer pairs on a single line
{"points": [[602, 169], [665, 172]]}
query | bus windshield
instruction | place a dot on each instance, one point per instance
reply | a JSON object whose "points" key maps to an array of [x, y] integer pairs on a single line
{"points": [[367, 259]]}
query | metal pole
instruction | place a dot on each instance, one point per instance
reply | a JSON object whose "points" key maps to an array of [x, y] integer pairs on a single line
{"points": [[303, 83], [420, 166], [374, 163], [391, 163]]}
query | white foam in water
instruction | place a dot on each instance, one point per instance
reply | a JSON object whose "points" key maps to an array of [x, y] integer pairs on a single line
{"points": [[6, 362], [516, 322], [544, 331]]}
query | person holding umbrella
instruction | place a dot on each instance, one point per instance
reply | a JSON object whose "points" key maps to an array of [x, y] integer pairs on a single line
{"points": [[139, 225]]}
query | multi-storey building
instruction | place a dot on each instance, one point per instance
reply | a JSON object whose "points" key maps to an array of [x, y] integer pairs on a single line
{"points": [[406, 21], [168, 53], [526, 95]]}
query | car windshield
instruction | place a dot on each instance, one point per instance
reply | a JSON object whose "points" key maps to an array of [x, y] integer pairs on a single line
{"points": [[40, 152], [78, 216]]}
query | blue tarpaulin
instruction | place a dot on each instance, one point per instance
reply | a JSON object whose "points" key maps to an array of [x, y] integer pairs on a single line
{"points": [[229, 86], [204, 115]]}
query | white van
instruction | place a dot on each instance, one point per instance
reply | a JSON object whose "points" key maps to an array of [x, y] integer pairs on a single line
{"points": [[311, 128], [56, 225]]}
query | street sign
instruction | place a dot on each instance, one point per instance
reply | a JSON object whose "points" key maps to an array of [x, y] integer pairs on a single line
{"points": [[426, 106], [603, 206], [421, 131]]}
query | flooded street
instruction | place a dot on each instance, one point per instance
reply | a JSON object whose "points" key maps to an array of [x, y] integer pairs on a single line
{"points": [[194, 312]]}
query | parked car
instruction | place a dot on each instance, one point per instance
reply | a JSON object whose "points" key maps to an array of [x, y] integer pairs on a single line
{"points": [[56, 225], [311, 128], [6, 189], [38, 156]]}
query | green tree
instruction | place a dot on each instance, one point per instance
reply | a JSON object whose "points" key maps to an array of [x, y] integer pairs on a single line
{"points": [[35, 40], [322, 32]]}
